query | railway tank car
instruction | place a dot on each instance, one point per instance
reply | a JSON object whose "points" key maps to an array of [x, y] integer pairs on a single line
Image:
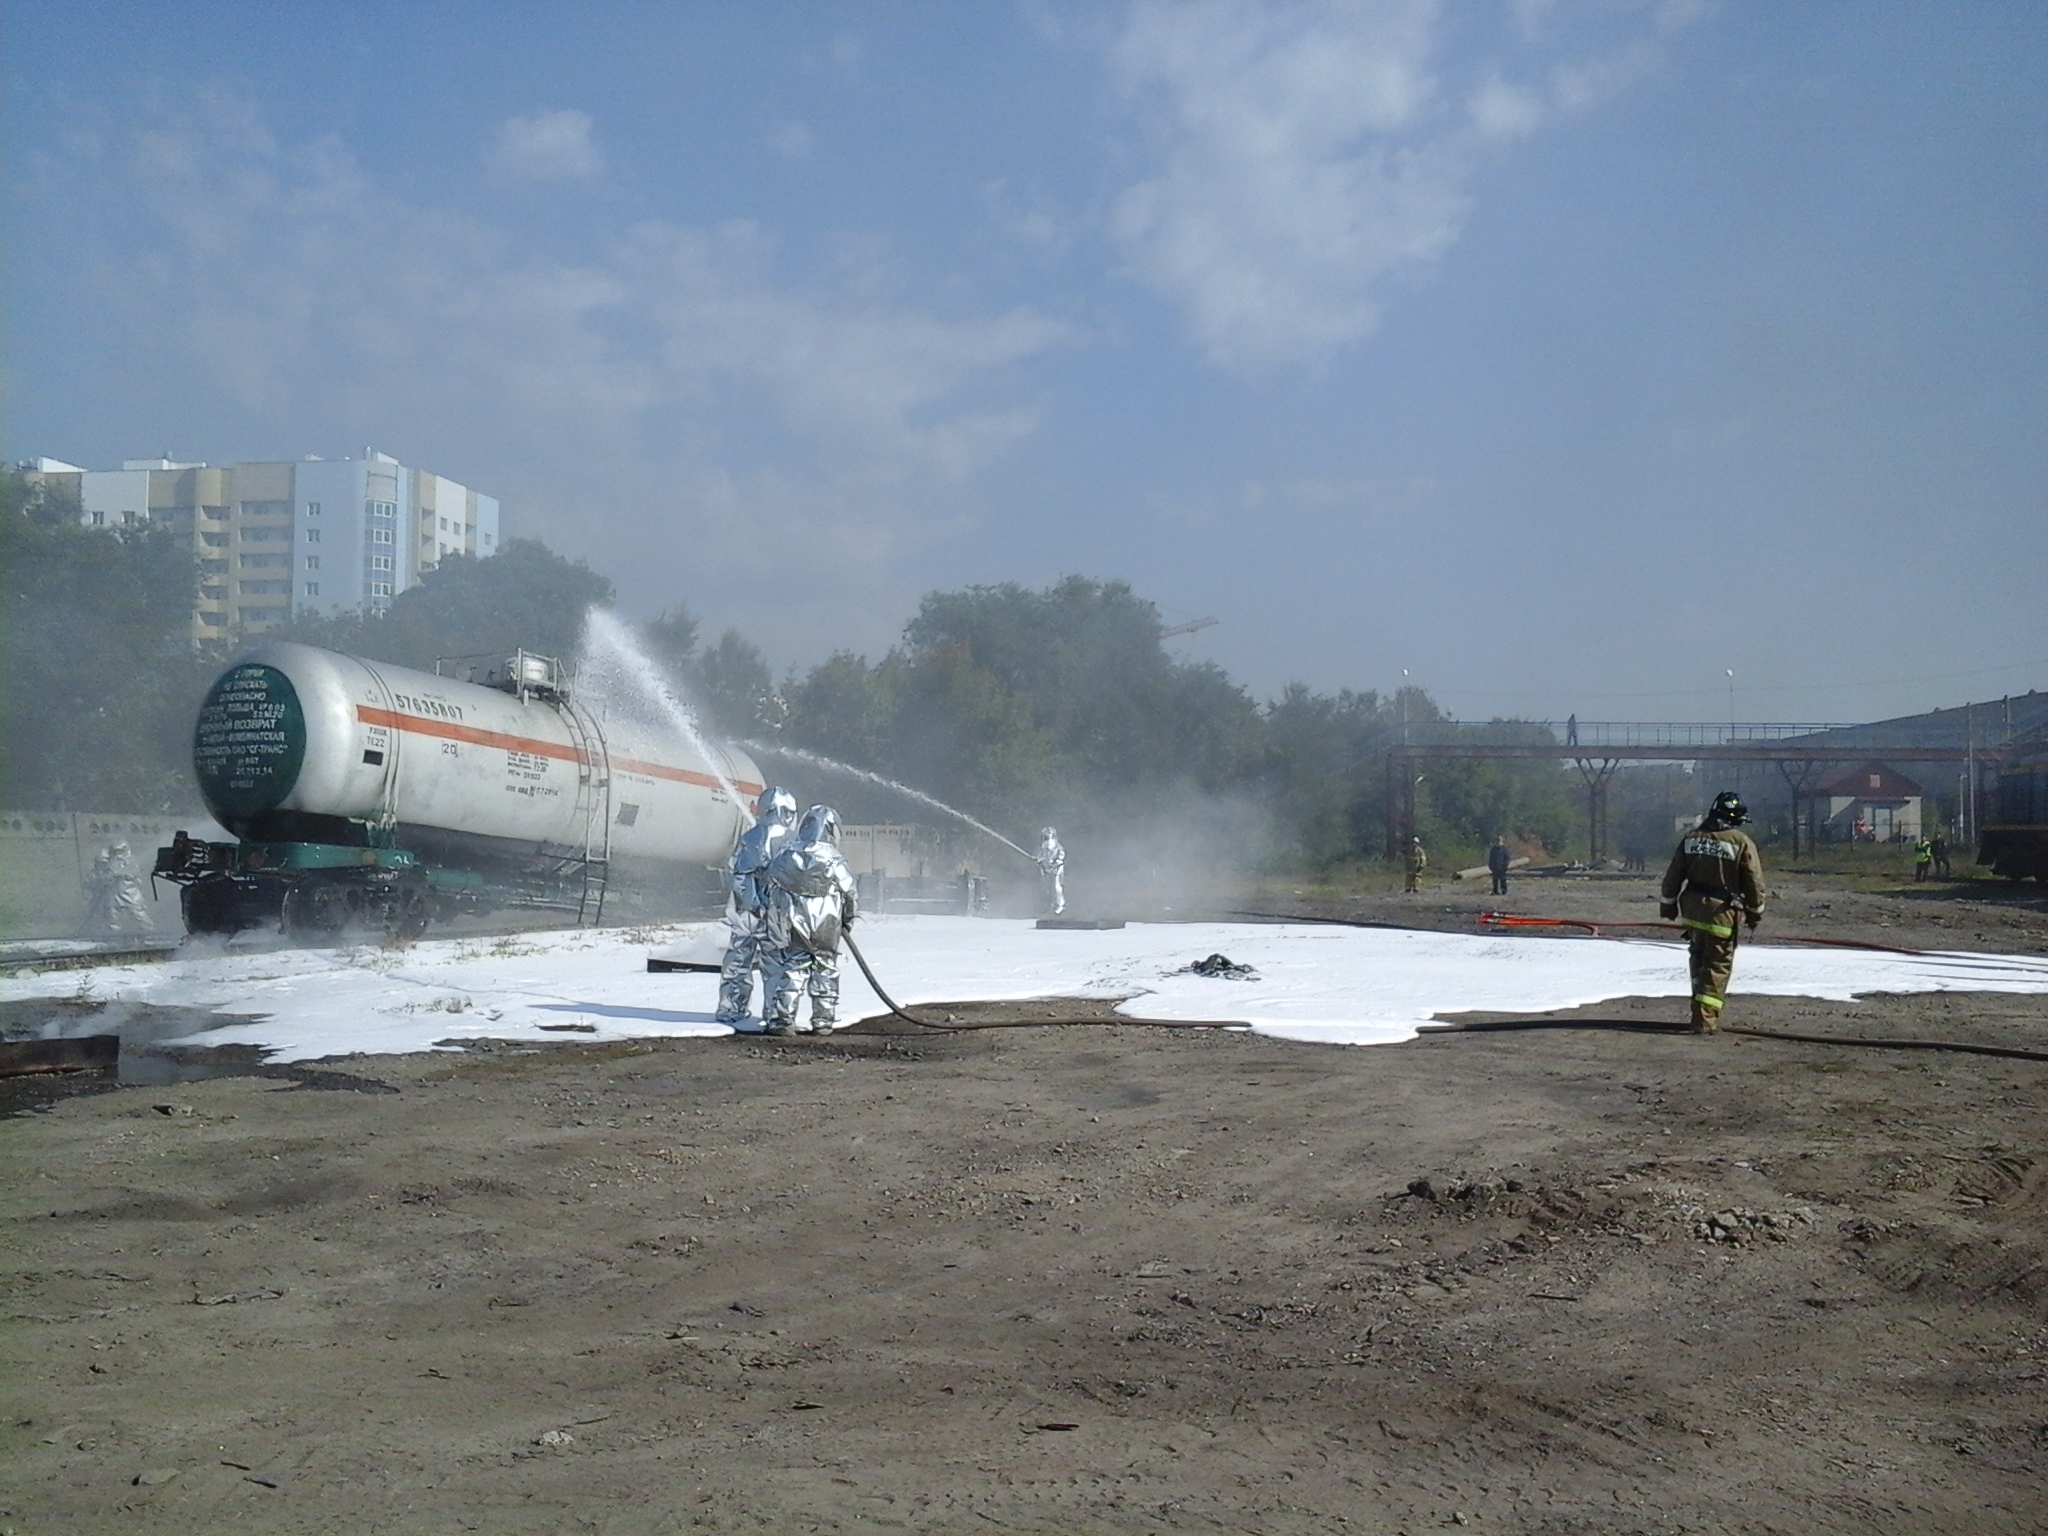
{"points": [[364, 795]]}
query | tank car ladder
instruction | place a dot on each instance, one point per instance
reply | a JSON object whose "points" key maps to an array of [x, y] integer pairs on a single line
{"points": [[594, 804]]}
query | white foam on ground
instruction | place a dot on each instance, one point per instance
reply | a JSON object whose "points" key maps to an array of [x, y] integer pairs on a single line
{"points": [[1348, 986]]}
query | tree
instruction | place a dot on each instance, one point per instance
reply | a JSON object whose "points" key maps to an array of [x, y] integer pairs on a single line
{"points": [[101, 683], [1030, 706], [671, 642], [524, 597], [1327, 799], [731, 683]]}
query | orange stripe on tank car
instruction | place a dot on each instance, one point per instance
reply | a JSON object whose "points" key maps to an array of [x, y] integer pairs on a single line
{"points": [[448, 730]]}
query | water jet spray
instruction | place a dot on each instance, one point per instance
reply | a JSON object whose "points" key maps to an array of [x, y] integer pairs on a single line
{"points": [[605, 634], [833, 765]]}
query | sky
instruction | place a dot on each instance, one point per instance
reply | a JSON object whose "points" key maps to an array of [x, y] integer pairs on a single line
{"points": [[1555, 356]]}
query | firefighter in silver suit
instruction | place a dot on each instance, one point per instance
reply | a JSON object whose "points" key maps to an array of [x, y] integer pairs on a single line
{"points": [[746, 909], [114, 902], [1052, 870], [812, 902]]}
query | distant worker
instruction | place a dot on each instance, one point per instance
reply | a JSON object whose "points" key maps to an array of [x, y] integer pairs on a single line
{"points": [[812, 903], [1418, 861], [1571, 730], [113, 895], [1923, 859], [1497, 860], [746, 908], [1052, 870], [1715, 876], [1941, 864]]}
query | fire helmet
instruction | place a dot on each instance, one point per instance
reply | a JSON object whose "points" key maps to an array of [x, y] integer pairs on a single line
{"points": [[1729, 809], [776, 804], [820, 825]]}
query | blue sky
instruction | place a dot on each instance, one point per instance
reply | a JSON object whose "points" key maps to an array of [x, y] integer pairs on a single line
{"points": [[1561, 355]]}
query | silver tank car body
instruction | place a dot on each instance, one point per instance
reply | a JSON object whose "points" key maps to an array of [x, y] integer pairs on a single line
{"points": [[456, 768]]}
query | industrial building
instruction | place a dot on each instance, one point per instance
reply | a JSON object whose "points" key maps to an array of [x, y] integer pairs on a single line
{"points": [[277, 541]]}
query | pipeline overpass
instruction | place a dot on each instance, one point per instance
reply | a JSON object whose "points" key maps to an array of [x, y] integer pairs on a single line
{"points": [[1802, 754]]}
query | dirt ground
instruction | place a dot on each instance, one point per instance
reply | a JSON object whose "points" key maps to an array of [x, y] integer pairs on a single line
{"points": [[1083, 1279]]}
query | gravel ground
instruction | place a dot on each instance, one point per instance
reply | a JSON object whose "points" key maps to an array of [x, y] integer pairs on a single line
{"points": [[1095, 1278]]}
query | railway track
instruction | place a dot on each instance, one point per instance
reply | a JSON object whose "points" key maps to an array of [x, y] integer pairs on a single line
{"points": [[17, 962]]}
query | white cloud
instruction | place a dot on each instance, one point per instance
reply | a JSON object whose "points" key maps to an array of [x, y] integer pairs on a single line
{"points": [[1502, 111], [545, 146], [1029, 215], [1287, 187], [793, 141], [1307, 151], [666, 400]]}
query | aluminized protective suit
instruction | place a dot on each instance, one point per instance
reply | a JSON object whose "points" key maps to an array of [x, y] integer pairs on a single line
{"points": [[812, 901], [746, 911], [113, 894], [1052, 869]]}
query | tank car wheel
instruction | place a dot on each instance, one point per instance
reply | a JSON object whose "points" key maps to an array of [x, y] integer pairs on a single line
{"points": [[410, 911], [315, 910]]}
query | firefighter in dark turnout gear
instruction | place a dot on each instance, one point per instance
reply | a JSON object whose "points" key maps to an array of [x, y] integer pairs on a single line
{"points": [[1714, 879]]}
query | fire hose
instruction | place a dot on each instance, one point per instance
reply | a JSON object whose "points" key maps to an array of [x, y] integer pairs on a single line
{"points": [[954, 1026], [1511, 920]]}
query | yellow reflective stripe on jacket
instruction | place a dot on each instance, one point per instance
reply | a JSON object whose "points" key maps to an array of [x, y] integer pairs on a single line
{"points": [[1716, 929]]}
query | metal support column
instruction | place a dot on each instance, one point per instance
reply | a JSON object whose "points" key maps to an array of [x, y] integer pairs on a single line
{"points": [[1401, 782], [1597, 775], [1802, 777]]}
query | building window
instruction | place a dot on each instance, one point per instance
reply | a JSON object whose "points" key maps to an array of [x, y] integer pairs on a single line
{"points": [[380, 589], [380, 562], [312, 562], [266, 562], [383, 536], [312, 589], [381, 508], [312, 509], [266, 588], [99, 519], [213, 540], [312, 535], [218, 514], [213, 618]]}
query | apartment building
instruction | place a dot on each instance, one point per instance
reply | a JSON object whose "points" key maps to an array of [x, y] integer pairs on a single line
{"points": [[276, 541]]}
